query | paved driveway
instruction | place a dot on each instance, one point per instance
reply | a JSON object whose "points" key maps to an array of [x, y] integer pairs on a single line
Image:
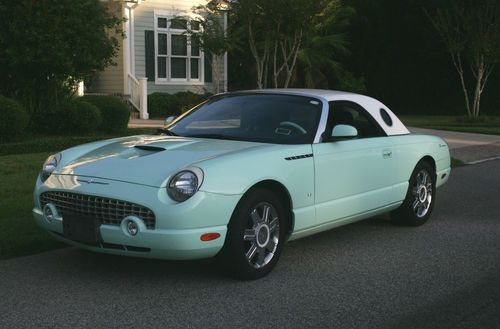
{"points": [[445, 274]]}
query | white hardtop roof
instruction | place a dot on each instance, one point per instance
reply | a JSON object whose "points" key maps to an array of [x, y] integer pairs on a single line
{"points": [[371, 105]]}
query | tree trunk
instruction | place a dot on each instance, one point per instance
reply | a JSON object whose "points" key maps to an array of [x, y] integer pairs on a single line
{"points": [[260, 61], [216, 73]]}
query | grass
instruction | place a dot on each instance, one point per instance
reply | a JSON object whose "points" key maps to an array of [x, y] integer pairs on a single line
{"points": [[483, 125], [19, 234], [456, 163]]}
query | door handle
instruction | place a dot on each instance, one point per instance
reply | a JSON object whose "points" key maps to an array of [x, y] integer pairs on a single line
{"points": [[386, 154]]}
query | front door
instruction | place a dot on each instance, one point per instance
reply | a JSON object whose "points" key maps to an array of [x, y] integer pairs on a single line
{"points": [[352, 176]]}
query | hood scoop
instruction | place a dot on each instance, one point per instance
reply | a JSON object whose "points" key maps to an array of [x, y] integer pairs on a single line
{"points": [[139, 151], [150, 148]]}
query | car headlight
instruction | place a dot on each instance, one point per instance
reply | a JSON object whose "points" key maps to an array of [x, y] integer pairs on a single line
{"points": [[50, 165], [185, 184]]}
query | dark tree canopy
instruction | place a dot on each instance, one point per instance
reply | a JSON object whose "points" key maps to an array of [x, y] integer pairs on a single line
{"points": [[392, 48], [46, 46]]}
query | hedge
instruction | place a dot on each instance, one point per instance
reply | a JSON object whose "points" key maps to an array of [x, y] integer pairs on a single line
{"points": [[13, 118], [78, 116], [114, 112], [163, 105]]}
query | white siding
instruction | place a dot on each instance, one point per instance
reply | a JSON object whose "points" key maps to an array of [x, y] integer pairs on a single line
{"points": [[110, 81], [144, 20]]}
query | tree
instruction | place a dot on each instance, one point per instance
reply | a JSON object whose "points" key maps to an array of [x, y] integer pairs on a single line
{"points": [[470, 31], [319, 57], [276, 31], [212, 36], [46, 46]]}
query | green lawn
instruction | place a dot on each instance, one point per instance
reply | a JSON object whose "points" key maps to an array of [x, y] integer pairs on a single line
{"points": [[19, 234], [483, 125]]}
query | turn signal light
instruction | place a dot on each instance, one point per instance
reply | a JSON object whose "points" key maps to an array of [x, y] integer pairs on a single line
{"points": [[209, 236]]}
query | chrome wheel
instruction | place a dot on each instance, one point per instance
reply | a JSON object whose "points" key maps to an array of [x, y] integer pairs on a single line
{"points": [[422, 193], [261, 236]]}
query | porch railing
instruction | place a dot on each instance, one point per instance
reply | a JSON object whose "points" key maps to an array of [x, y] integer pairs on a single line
{"points": [[139, 95]]}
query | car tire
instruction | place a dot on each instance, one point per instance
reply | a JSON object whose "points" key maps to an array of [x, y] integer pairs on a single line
{"points": [[420, 198], [255, 237]]}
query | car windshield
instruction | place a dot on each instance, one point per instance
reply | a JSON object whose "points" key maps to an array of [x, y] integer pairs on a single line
{"points": [[266, 118]]}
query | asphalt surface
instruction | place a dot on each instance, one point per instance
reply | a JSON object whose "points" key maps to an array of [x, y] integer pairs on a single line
{"points": [[445, 274]]}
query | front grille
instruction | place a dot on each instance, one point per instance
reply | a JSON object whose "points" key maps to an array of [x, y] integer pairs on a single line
{"points": [[108, 211]]}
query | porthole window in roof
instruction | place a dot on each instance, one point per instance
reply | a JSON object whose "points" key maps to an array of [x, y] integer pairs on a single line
{"points": [[386, 117]]}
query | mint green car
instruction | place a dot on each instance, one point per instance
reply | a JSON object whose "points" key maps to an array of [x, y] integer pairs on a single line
{"points": [[239, 175]]}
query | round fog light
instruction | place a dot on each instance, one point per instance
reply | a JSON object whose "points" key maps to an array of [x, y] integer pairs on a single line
{"points": [[49, 212], [132, 228]]}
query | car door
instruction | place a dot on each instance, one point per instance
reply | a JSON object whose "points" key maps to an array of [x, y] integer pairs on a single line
{"points": [[352, 176]]}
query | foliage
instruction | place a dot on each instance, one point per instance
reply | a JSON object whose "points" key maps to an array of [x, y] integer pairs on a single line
{"points": [[46, 46], [13, 118], [78, 116], [188, 99], [319, 65], [163, 105], [295, 42], [211, 36], [470, 31], [114, 112]]}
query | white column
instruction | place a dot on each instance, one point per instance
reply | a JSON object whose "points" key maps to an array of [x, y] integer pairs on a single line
{"points": [[80, 90], [143, 87], [126, 49]]}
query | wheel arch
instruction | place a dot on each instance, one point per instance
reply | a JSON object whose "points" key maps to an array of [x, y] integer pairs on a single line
{"points": [[283, 194], [430, 160]]}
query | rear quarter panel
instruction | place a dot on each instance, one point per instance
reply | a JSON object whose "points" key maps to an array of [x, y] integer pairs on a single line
{"points": [[409, 149]]}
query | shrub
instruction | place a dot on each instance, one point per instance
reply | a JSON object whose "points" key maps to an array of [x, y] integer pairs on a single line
{"points": [[163, 105], [78, 116], [114, 112], [13, 118], [188, 99]]}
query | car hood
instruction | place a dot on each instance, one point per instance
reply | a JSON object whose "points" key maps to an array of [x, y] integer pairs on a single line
{"points": [[147, 160]]}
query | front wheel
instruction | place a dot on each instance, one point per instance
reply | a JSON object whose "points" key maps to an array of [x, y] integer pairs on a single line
{"points": [[420, 197], [255, 235]]}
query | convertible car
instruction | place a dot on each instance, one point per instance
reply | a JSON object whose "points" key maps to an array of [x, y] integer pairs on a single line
{"points": [[239, 175]]}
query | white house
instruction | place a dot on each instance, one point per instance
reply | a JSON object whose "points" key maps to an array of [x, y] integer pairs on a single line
{"points": [[156, 54]]}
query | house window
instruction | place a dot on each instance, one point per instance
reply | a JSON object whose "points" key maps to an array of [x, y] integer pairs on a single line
{"points": [[179, 58]]}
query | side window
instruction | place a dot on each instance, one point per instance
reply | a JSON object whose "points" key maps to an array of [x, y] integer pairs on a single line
{"points": [[353, 114]]}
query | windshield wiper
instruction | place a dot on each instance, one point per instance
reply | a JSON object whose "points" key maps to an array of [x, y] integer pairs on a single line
{"points": [[214, 136], [167, 132]]}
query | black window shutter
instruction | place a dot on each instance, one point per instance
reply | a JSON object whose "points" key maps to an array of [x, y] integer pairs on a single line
{"points": [[150, 55], [208, 68]]}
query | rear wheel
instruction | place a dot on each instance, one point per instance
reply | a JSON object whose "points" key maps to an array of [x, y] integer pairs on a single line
{"points": [[255, 235], [420, 197]]}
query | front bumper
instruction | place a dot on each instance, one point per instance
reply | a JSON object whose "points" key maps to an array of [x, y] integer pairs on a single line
{"points": [[178, 225]]}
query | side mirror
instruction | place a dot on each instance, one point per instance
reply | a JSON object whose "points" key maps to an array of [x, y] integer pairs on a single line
{"points": [[169, 119], [340, 132]]}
